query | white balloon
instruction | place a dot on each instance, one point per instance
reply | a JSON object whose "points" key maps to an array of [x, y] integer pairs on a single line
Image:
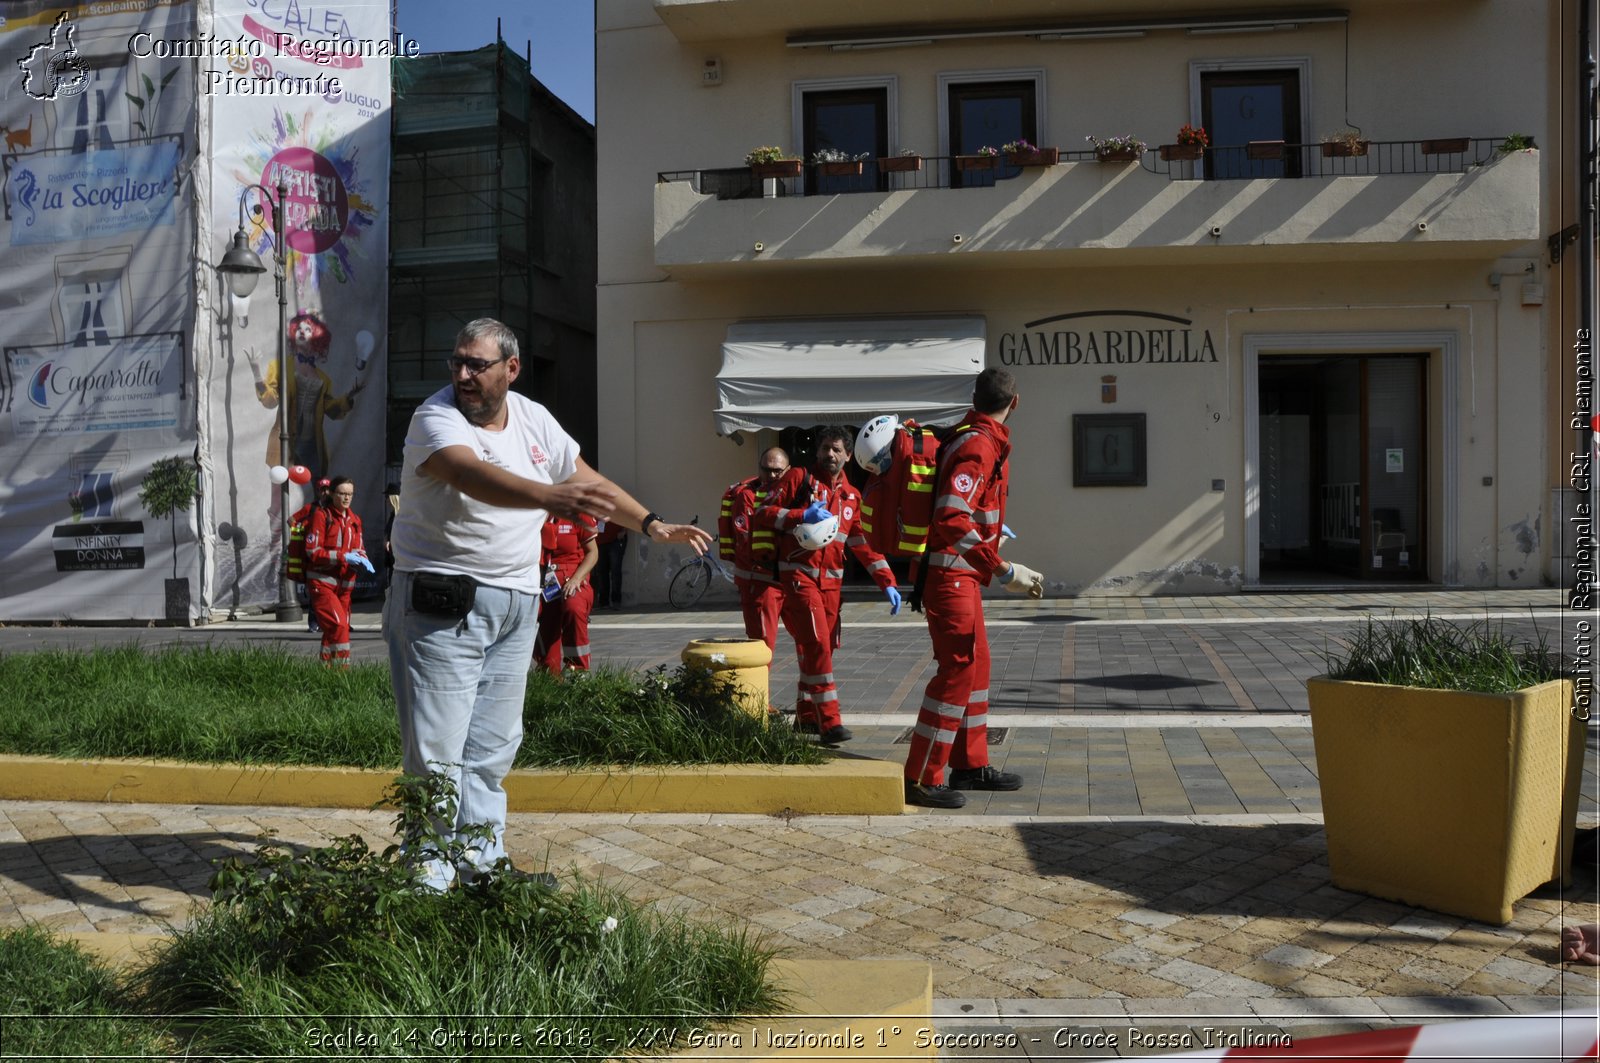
{"points": [[365, 341], [278, 474]]}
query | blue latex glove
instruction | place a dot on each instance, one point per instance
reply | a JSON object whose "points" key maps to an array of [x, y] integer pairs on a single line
{"points": [[1006, 532], [359, 557], [894, 600], [814, 512]]}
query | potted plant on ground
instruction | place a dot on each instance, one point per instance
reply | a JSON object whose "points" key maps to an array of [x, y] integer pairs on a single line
{"points": [[1192, 143], [1021, 153], [984, 158], [1126, 148], [1449, 763], [1514, 143], [832, 162], [767, 162], [906, 161], [1345, 144]]}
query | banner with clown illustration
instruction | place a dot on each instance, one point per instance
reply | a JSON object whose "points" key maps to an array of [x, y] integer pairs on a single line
{"points": [[100, 497], [301, 109], [139, 400]]}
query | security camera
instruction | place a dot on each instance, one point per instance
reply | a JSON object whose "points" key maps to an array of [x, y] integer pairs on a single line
{"points": [[760, 247], [1216, 231], [956, 239], [1422, 226]]}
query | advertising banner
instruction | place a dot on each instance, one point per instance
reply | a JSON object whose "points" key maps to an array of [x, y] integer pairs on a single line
{"points": [[100, 497], [299, 106]]}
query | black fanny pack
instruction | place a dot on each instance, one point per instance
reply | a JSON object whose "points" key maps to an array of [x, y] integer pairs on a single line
{"points": [[440, 594]]}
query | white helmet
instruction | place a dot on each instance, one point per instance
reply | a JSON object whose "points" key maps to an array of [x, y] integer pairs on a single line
{"points": [[816, 536], [874, 443]]}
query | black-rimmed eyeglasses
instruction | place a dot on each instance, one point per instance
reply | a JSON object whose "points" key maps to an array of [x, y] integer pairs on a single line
{"points": [[767, 470], [473, 366]]}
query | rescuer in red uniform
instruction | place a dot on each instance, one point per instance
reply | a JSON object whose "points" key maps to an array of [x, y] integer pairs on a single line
{"points": [[753, 553], [334, 552], [570, 552], [963, 556], [813, 576]]}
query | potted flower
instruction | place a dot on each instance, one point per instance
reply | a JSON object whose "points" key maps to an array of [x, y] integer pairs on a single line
{"points": [[1449, 762], [1345, 144], [1124, 148], [906, 161], [984, 159], [771, 162], [1021, 153], [1446, 146], [1191, 144], [833, 162]]}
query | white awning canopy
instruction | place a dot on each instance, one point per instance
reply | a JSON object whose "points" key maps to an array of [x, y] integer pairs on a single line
{"points": [[795, 374]]}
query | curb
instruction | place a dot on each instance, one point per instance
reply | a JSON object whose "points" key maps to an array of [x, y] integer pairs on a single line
{"points": [[840, 1007], [840, 787]]}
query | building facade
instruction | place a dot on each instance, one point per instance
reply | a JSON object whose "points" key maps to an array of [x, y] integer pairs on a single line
{"points": [[493, 216], [1333, 345]]}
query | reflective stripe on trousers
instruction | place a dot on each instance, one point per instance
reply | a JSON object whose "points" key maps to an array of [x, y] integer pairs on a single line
{"points": [[953, 724], [811, 616]]}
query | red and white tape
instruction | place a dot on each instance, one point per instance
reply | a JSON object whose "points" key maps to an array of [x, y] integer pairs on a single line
{"points": [[1560, 1037]]}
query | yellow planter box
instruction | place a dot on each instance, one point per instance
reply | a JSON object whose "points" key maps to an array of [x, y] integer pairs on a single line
{"points": [[1454, 801]]}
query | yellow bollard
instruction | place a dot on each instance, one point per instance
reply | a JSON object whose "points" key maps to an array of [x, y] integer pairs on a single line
{"points": [[740, 663]]}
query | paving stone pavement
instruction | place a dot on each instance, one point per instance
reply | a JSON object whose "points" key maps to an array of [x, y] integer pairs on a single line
{"points": [[1163, 873]]}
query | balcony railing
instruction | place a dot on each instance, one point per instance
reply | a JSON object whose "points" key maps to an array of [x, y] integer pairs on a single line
{"points": [[1258, 160]]}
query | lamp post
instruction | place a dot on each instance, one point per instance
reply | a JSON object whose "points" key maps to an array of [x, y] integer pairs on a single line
{"points": [[243, 268]]}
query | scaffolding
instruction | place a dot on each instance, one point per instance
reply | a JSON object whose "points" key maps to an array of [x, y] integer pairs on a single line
{"points": [[460, 224]]}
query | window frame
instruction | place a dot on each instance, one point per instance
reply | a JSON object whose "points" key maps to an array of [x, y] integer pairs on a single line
{"points": [[1197, 67]]}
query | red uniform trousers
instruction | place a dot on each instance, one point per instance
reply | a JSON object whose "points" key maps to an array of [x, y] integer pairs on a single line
{"points": [[762, 603], [330, 604], [953, 725], [811, 616], [563, 637]]}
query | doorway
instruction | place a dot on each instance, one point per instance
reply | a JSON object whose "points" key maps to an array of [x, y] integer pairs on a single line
{"points": [[1344, 469]]}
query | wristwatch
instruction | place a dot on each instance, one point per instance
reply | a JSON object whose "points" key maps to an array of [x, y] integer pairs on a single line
{"points": [[649, 518]]}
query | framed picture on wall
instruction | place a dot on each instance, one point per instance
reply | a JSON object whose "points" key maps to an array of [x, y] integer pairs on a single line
{"points": [[1108, 450]]}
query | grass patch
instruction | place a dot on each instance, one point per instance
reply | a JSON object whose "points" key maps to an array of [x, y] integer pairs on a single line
{"points": [[269, 706], [1442, 656], [335, 952], [58, 1002]]}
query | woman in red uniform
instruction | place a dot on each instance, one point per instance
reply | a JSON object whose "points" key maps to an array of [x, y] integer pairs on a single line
{"points": [[334, 552], [570, 552]]}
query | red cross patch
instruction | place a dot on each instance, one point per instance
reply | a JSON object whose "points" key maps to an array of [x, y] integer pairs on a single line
{"points": [[963, 483]]}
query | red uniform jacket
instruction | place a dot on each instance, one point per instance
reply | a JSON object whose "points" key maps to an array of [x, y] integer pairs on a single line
{"points": [[752, 551], [329, 536], [563, 540], [785, 508], [969, 498]]}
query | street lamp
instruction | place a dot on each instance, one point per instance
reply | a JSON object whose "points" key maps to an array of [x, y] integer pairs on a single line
{"points": [[243, 268]]}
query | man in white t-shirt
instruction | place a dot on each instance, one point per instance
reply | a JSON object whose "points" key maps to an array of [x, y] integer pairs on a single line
{"points": [[484, 467]]}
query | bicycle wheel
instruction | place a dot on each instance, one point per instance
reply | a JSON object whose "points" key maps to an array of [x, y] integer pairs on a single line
{"points": [[689, 584]]}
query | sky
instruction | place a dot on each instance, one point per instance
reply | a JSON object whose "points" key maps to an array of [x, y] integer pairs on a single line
{"points": [[561, 32]]}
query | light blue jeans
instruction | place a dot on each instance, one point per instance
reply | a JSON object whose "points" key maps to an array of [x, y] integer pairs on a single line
{"points": [[458, 690]]}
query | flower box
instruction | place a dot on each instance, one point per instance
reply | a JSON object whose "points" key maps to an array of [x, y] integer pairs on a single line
{"points": [[899, 163], [777, 168], [1344, 149], [1038, 157], [1456, 801], [1447, 146], [976, 162], [1117, 154], [1264, 149], [840, 169], [1182, 152]]}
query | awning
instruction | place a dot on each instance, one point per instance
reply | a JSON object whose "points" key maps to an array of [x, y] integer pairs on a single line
{"points": [[784, 374]]}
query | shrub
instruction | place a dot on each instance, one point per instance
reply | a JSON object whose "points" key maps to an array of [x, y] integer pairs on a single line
{"points": [[1436, 654]]}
